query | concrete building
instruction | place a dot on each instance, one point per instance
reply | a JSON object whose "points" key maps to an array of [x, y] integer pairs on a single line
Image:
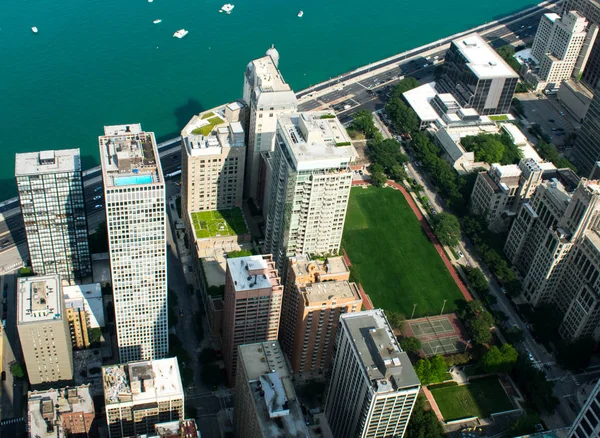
{"points": [[62, 413], [575, 98], [587, 423], [477, 76], [586, 151], [50, 189], [176, 429], [267, 95], [44, 331], [316, 294], [265, 403], [84, 311], [253, 294], [134, 192], [310, 186], [140, 395], [373, 386]]}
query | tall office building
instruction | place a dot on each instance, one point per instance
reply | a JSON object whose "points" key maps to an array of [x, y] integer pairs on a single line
{"points": [[316, 294], [477, 76], [134, 192], [587, 423], [140, 395], [586, 151], [50, 189], [44, 331], [252, 303], [267, 95], [373, 386], [265, 403], [310, 186], [590, 9]]}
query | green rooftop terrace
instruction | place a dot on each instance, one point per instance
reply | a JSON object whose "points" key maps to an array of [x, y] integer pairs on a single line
{"points": [[219, 223]]}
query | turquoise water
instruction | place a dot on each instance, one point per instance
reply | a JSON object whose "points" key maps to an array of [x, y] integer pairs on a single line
{"points": [[131, 180], [101, 62]]}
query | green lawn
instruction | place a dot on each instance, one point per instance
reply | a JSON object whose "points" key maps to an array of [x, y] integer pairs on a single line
{"points": [[219, 223], [499, 117], [207, 129], [479, 398], [392, 257]]}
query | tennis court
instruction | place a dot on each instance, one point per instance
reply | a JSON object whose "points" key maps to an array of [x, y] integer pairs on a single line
{"points": [[442, 334], [450, 345], [431, 327]]}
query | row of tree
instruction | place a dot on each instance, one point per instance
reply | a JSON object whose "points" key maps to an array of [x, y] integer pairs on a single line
{"points": [[478, 322], [492, 148]]}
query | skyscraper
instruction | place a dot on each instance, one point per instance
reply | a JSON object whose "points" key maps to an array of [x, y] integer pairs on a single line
{"points": [[590, 9], [51, 194], [252, 302], [586, 151], [587, 423], [373, 386], [134, 192], [310, 186]]}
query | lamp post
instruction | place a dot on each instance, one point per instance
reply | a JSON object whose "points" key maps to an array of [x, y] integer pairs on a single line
{"points": [[444, 305], [413, 312]]}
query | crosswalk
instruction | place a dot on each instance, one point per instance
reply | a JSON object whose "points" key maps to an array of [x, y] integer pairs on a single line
{"points": [[544, 364], [11, 421]]}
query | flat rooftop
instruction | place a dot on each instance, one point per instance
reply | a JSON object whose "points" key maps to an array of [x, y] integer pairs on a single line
{"points": [[37, 163], [387, 366], [39, 299], [268, 77], [419, 99], [506, 171], [482, 59], [89, 297], [218, 223], [316, 140], [142, 382], [129, 156], [252, 272], [316, 293]]}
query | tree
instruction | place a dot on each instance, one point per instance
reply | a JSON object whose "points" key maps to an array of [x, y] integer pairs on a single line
{"points": [[94, 335], [525, 424], [447, 229], [508, 54], [499, 360], [386, 153], [403, 117], [534, 383], [431, 370], [458, 359], [397, 173], [395, 319], [514, 335], [363, 122], [477, 320], [403, 86], [476, 279], [410, 345], [378, 176], [17, 370], [423, 423]]}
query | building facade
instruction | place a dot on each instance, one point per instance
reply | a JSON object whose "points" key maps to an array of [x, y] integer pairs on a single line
{"points": [[44, 331], [50, 189], [587, 423], [310, 186], [140, 395], [134, 192], [316, 294], [373, 386], [252, 305], [586, 151], [84, 310], [591, 11], [477, 76]]}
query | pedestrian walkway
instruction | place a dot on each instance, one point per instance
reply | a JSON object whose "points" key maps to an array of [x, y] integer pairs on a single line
{"points": [[433, 404], [11, 421]]}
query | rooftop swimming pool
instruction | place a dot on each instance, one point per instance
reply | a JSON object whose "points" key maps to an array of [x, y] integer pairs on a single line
{"points": [[131, 180]]}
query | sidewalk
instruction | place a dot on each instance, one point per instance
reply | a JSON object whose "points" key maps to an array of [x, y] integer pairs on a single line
{"points": [[433, 404]]}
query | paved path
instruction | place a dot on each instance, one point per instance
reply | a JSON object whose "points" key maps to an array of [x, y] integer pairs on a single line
{"points": [[433, 404]]}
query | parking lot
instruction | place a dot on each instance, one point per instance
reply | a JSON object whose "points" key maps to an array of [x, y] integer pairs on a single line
{"points": [[554, 122]]}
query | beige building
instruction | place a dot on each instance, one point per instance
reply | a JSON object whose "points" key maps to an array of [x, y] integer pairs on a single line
{"points": [[139, 395], [253, 295], [62, 413], [316, 294], [44, 330], [265, 402], [176, 429], [84, 311]]}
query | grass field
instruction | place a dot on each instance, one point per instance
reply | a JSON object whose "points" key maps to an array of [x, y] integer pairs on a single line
{"points": [[392, 256], [480, 398], [219, 223]]}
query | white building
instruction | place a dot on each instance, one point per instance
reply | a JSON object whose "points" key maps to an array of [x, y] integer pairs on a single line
{"points": [[373, 386], [134, 192], [587, 423], [310, 186], [267, 95], [87, 297], [50, 189]]}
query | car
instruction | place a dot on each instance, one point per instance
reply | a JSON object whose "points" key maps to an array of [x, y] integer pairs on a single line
{"points": [[561, 113], [98, 206], [553, 129], [560, 129], [460, 254], [551, 120], [425, 65], [97, 189], [96, 198], [517, 36], [174, 157], [522, 26], [181, 313], [3, 376]]}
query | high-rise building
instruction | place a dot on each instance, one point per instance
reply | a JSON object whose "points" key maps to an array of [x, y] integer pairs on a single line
{"points": [[62, 413], [586, 151], [50, 189], [590, 9], [44, 331], [265, 403], [140, 395], [84, 310], [477, 76], [310, 186], [134, 192], [316, 294], [267, 95], [587, 423], [252, 305], [373, 386]]}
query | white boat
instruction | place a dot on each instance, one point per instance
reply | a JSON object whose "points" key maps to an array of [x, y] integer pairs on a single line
{"points": [[180, 33], [150, 1], [157, 21], [34, 29], [300, 14], [228, 7]]}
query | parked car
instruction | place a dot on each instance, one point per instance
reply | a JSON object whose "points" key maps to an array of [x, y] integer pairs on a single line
{"points": [[460, 254], [96, 198], [97, 189], [98, 206]]}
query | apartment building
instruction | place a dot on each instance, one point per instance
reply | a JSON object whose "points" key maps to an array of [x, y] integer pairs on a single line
{"points": [[265, 403], [84, 310], [252, 305], [586, 151], [477, 76], [140, 395], [316, 294], [267, 95], [373, 386], [587, 423], [134, 193], [50, 187], [591, 11], [44, 331], [310, 186], [62, 413]]}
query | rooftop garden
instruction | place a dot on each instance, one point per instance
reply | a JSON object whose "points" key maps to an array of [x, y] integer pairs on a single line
{"points": [[220, 223], [207, 129]]}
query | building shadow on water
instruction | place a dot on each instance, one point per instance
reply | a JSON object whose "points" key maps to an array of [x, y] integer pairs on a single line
{"points": [[183, 113]]}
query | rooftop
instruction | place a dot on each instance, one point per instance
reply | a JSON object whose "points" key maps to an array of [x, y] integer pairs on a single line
{"points": [[482, 59], [318, 270], [35, 163], [179, 429], [142, 382], [316, 140], [39, 299], [267, 75], [129, 156], [218, 223], [89, 298], [317, 293], [252, 272], [506, 171], [419, 99], [386, 365]]}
